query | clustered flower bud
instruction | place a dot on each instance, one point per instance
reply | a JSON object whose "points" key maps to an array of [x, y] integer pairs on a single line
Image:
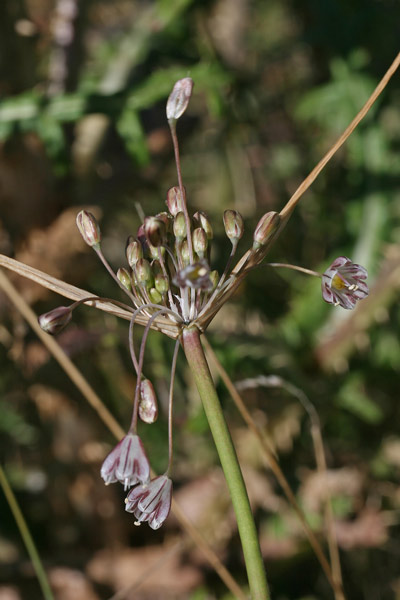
{"points": [[266, 227], [200, 241], [155, 230], [234, 226], [174, 201], [124, 278], [204, 222], [89, 228], [134, 251]]}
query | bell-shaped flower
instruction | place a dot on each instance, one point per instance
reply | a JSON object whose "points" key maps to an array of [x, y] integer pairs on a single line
{"points": [[151, 501], [126, 463], [343, 283]]}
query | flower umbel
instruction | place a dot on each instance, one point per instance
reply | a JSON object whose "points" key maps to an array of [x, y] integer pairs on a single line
{"points": [[343, 283], [126, 463], [151, 501]]}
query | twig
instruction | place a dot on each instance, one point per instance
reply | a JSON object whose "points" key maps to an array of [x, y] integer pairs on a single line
{"points": [[26, 536]]}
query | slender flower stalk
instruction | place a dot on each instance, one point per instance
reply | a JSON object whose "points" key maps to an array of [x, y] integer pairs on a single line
{"points": [[247, 530]]}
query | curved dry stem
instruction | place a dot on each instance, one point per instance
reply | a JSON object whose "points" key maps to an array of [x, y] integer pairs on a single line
{"points": [[95, 402], [289, 207], [77, 294]]}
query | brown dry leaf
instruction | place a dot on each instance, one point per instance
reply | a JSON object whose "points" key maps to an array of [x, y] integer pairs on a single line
{"points": [[72, 341], [9, 593], [368, 530], [53, 250], [25, 183], [160, 571], [205, 501], [70, 431], [317, 487], [70, 584], [275, 549]]}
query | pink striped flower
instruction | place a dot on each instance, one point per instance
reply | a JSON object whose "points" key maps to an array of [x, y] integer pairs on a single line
{"points": [[127, 463], [343, 283], [151, 501]]}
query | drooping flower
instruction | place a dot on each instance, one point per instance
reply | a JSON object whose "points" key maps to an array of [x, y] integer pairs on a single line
{"points": [[127, 463], [343, 283], [151, 501]]}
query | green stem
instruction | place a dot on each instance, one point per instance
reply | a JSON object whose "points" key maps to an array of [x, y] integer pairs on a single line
{"points": [[229, 461], [26, 536]]}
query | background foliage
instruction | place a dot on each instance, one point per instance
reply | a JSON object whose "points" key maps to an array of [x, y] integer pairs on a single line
{"points": [[82, 123]]}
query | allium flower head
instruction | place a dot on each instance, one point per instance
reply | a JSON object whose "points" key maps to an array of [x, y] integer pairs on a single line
{"points": [[151, 501], [343, 283], [126, 463]]}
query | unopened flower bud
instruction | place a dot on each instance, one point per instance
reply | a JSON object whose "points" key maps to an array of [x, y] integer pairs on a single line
{"points": [[174, 201], [155, 250], [143, 272], [204, 221], [166, 219], [134, 251], [266, 227], [200, 241], [161, 283], [155, 296], [185, 252], [214, 276], [234, 226], [88, 228], [180, 227], [148, 407], [155, 231], [54, 321], [179, 98], [124, 278]]}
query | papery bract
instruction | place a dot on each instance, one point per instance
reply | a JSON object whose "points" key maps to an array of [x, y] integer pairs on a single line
{"points": [[151, 501]]}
